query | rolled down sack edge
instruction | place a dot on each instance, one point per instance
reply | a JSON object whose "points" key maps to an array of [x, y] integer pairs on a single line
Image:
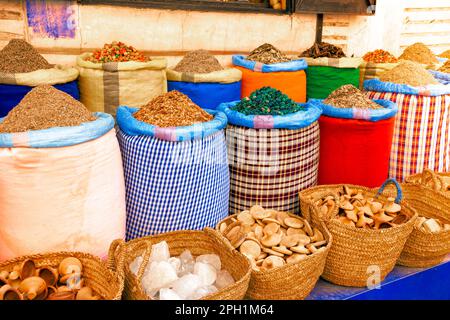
{"points": [[59, 136], [56, 75], [133, 127], [153, 64], [297, 120], [429, 90], [389, 110], [294, 65], [229, 75]]}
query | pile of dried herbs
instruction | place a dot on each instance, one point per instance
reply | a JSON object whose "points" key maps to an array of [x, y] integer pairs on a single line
{"points": [[268, 54], [323, 50], [172, 109], [348, 96], [198, 61], [267, 101], [18, 56]]}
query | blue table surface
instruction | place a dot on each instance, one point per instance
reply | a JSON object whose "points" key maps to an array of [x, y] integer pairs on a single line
{"points": [[402, 283]]}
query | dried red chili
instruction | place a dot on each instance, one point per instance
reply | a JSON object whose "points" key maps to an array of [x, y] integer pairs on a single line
{"points": [[117, 52]]}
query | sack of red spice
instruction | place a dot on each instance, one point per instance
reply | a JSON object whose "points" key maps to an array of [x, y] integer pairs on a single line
{"points": [[117, 75]]}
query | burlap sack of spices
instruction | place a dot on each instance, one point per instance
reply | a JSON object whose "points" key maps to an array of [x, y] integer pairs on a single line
{"points": [[105, 86]]}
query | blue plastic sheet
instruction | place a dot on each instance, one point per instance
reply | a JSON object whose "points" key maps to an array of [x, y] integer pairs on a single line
{"points": [[133, 127], [429, 90], [208, 95], [293, 65], [389, 110], [442, 77], [297, 120], [62, 136], [10, 95]]}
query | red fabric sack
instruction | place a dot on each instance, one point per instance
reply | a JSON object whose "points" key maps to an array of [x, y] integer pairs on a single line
{"points": [[354, 151]]}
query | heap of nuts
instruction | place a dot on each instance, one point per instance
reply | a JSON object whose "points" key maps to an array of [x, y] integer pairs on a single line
{"points": [[431, 225], [27, 282], [271, 238], [359, 210]]}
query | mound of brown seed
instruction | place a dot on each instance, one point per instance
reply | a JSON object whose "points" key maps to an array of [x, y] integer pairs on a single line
{"points": [[45, 107]]}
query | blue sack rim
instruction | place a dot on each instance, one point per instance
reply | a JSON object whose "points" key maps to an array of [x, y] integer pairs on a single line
{"points": [[62, 136], [389, 110], [430, 90], [294, 65], [297, 120], [133, 127]]}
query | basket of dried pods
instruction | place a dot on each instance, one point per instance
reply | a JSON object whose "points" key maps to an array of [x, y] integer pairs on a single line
{"points": [[429, 242], [63, 276], [369, 230], [287, 254], [186, 264]]}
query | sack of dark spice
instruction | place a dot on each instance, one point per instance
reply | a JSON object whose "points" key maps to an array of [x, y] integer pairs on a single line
{"points": [[267, 101], [22, 68], [323, 50], [329, 69], [268, 54]]}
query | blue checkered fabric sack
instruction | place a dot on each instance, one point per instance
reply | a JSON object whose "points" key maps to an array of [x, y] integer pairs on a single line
{"points": [[174, 185]]}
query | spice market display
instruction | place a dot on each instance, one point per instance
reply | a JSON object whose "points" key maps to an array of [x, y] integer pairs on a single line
{"points": [[181, 153]]}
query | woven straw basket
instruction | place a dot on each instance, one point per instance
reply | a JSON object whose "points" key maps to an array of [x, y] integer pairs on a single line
{"points": [[198, 242], [105, 279], [356, 252], [291, 281], [423, 249]]}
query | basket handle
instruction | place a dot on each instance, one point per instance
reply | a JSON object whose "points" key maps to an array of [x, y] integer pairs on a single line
{"points": [[116, 262], [217, 236], [399, 196], [436, 179], [145, 259]]}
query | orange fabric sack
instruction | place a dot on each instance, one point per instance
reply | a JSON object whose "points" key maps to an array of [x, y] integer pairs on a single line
{"points": [[292, 83]]}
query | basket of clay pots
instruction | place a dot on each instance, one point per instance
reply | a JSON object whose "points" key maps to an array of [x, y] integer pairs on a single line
{"points": [[63, 276], [369, 229], [286, 252], [429, 242], [186, 264]]}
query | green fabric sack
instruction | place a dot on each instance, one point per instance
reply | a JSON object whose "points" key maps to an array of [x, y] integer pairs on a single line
{"points": [[321, 80]]}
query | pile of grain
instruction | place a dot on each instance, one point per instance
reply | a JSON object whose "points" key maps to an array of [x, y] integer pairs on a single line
{"points": [[198, 61], [172, 109], [348, 96], [445, 54], [420, 53], [268, 54], [445, 67], [45, 107], [18, 56], [323, 50], [408, 72]]}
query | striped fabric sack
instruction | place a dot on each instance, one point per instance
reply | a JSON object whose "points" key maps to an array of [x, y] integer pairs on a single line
{"points": [[421, 132], [271, 165], [173, 185], [105, 86]]}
